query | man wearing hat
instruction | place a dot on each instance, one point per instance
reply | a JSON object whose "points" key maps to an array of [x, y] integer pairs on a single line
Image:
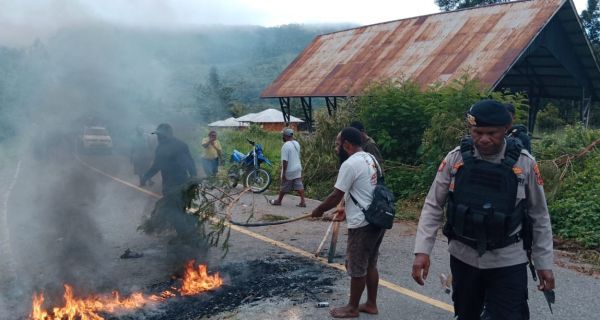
{"points": [[172, 158], [291, 168], [493, 195], [518, 131]]}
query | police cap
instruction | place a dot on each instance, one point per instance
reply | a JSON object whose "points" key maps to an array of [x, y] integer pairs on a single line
{"points": [[488, 113]]}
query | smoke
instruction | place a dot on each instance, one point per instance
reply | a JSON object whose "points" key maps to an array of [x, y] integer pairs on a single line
{"points": [[63, 223], [69, 64]]}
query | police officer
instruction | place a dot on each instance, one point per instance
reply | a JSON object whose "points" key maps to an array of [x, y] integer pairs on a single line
{"points": [[518, 131], [492, 190]]}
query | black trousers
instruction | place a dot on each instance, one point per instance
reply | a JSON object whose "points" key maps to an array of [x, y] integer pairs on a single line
{"points": [[503, 290]]}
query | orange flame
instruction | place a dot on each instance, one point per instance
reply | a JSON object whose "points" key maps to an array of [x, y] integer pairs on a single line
{"points": [[193, 282], [198, 281]]}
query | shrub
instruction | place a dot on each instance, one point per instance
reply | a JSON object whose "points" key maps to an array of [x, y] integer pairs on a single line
{"points": [[393, 115], [318, 155], [576, 210], [550, 119]]}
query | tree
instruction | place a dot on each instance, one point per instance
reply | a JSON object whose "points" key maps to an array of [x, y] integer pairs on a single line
{"points": [[213, 98], [591, 23], [449, 5]]}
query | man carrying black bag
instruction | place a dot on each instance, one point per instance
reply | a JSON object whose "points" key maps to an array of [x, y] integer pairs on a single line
{"points": [[358, 176]]}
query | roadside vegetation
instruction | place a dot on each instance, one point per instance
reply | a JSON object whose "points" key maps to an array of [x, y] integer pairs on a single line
{"points": [[415, 129]]}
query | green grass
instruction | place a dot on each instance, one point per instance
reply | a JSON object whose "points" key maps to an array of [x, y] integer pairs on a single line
{"points": [[271, 143]]}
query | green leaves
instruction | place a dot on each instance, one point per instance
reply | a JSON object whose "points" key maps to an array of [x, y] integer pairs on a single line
{"points": [[575, 211]]}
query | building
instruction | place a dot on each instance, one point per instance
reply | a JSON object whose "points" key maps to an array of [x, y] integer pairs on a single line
{"points": [[269, 120], [534, 46]]}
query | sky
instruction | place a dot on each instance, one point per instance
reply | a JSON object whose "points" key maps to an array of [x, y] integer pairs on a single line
{"points": [[24, 20]]}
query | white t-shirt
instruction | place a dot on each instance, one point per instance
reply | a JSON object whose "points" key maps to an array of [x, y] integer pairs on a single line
{"points": [[290, 152], [357, 176]]}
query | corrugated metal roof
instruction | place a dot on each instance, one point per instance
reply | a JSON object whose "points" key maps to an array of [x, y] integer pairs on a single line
{"points": [[439, 47]]}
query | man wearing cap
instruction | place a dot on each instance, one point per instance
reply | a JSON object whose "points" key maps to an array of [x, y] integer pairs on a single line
{"points": [[518, 131], [291, 168], [172, 158], [494, 196]]}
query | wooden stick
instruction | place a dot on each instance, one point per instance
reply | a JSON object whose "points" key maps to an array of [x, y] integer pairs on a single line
{"points": [[333, 244], [324, 238]]}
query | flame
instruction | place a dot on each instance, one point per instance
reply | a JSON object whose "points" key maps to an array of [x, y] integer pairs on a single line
{"points": [[195, 281]]}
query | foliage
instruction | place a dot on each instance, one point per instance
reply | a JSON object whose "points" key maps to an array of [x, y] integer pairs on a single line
{"points": [[393, 115], [572, 187], [568, 141], [590, 18], [319, 160], [416, 128], [550, 119], [214, 99], [576, 210], [449, 5]]}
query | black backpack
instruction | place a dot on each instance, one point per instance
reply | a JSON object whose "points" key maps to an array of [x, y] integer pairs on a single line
{"points": [[382, 210]]}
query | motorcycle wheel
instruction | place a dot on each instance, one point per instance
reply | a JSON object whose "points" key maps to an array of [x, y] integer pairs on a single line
{"points": [[233, 176], [258, 180]]}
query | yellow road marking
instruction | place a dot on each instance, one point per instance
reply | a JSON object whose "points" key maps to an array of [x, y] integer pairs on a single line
{"points": [[390, 285]]}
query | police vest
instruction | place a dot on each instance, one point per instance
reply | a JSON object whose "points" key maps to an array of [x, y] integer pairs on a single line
{"points": [[481, 209]]}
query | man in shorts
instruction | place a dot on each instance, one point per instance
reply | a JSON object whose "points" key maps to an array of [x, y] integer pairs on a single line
{"points": [[357, 177], [291, 169]]}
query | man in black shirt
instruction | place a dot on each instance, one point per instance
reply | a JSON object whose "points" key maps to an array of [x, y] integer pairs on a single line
{"points": [[172, 158]]}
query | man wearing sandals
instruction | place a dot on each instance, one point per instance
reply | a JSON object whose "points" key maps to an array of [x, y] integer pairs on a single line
{"points": [[291, 169], [357, 178]]}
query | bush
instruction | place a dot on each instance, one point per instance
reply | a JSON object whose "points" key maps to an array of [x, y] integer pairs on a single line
{"points": [[393, 115], [318, 155], [572, 189], [576, 210], [550, 119]]}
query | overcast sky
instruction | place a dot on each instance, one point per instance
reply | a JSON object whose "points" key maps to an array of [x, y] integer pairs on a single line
{"points": [[23, 20]]}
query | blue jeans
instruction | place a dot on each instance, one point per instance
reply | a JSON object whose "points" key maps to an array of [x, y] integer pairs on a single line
{"points": [[211, 166]]}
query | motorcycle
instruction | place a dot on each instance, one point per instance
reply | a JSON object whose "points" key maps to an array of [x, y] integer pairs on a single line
{"points": [[247, 167]]}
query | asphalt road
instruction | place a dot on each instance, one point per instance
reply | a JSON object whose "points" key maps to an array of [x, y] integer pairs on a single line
{"points": [[68, 223]]}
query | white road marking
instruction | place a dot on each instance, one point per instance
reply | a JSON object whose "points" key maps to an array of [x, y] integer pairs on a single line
{"points": [[390, 285]]}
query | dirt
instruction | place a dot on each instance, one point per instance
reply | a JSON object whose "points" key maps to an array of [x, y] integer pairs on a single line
{"points": [[572, 256]]}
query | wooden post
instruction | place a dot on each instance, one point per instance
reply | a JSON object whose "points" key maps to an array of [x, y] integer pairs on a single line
{"points": [[333, 244]]}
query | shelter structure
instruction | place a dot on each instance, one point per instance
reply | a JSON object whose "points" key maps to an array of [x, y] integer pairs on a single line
{"points": [[230, 123], [270, 120], [533, 46]]}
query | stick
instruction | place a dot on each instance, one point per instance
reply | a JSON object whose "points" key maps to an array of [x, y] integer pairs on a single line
{"points": [[324, 238], [333, 244]]}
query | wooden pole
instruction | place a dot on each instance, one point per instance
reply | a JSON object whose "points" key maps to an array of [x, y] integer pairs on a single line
{"points": [[324, 238], [333, 244]]}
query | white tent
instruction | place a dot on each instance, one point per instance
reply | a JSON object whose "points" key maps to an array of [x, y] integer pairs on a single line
{"points": [[228, 123], [267, 116]]}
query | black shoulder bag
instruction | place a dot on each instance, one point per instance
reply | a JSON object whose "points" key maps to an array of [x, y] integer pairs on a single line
{"points": [[382, 210]]}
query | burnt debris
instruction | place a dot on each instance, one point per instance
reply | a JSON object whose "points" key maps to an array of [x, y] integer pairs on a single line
{"points": [[297, 279]]}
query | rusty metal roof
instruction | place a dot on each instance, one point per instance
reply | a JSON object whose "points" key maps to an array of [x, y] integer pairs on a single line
{"points": [[486, 41]]}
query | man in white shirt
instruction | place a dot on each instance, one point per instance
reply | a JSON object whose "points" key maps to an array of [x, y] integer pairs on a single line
{"points": [[291, 168], [357, 177]]}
